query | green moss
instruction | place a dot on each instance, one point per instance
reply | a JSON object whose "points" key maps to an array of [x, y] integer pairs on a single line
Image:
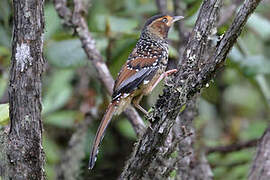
{"points": [[173, 174]]}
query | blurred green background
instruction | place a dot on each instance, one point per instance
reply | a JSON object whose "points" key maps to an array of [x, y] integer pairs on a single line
{"points": [[234, 108]]}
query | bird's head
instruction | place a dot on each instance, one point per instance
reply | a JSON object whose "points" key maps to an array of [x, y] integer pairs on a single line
{"points": [[159, 25]]}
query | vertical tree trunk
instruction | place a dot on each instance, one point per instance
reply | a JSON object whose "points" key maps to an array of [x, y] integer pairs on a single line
{"points": [[261, 165], [24, 149]]}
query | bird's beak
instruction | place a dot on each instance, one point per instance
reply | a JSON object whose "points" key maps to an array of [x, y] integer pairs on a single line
{"points": [[177, 18]]}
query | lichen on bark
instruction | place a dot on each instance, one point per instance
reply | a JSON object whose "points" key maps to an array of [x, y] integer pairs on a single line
{"points": [[194, 73]]}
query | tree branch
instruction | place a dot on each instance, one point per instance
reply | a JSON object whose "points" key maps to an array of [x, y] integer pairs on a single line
{"points": [[187, 164], [77, 21], [260, 168], [232, 147], [192, 164], [196, 70]]}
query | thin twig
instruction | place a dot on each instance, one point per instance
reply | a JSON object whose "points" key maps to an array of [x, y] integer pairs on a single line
{"points": [[77, 21], [232, 147], [230, 165]]}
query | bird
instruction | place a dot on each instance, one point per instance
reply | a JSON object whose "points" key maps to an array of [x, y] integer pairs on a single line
{"points": [[143, 70]]}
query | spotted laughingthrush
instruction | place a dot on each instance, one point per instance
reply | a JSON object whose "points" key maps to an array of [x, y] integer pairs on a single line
{"points": [[143, 70]]}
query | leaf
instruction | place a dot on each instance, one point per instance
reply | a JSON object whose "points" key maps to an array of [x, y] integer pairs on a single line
{"points": [[254, 130], [183, 108], [4, 114], [4, 51], [263, 84], [173, 52], [53, 155], [101, 43], [116, 24], [173, 35], [5, 39], [52, 21], [219, 171], [251, 65], [146, 8], [63, 119], [239, 172], [189, 1], [3, 83], [239, 156], [140, 7], [208, 115], [5, 9], [222, 161], [266, 49], [126, 129], [58, 92], [251, 44], [50, 171], [66, 53], [246, 98], [51, 150], [124, 48], [173, 173], [259, 24]]}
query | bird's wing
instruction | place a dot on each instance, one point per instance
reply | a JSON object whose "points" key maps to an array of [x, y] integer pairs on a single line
{"points": [[133, 73]]}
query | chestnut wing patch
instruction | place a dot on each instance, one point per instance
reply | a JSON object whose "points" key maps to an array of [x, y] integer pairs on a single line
{"points": [[140, 63], [133, 73]]}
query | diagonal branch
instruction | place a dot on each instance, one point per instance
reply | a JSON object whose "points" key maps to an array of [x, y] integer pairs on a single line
{"points": [[196, 70], [76, 20]]}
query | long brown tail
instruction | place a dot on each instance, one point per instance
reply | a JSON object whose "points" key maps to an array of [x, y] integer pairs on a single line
{"points": [[100, 133]]}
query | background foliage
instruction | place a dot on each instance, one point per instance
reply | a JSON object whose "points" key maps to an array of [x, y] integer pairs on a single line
{"points": [[234, 108]]}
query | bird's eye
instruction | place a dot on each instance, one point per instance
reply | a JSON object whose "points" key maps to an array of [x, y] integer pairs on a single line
{"points": [[165, 20]]}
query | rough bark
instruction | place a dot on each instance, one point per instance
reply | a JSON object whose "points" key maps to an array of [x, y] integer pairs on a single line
{"points": [[196, 70], [192, 164], [25, 157], [198, 169], [3, 155], [260, 169]]}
